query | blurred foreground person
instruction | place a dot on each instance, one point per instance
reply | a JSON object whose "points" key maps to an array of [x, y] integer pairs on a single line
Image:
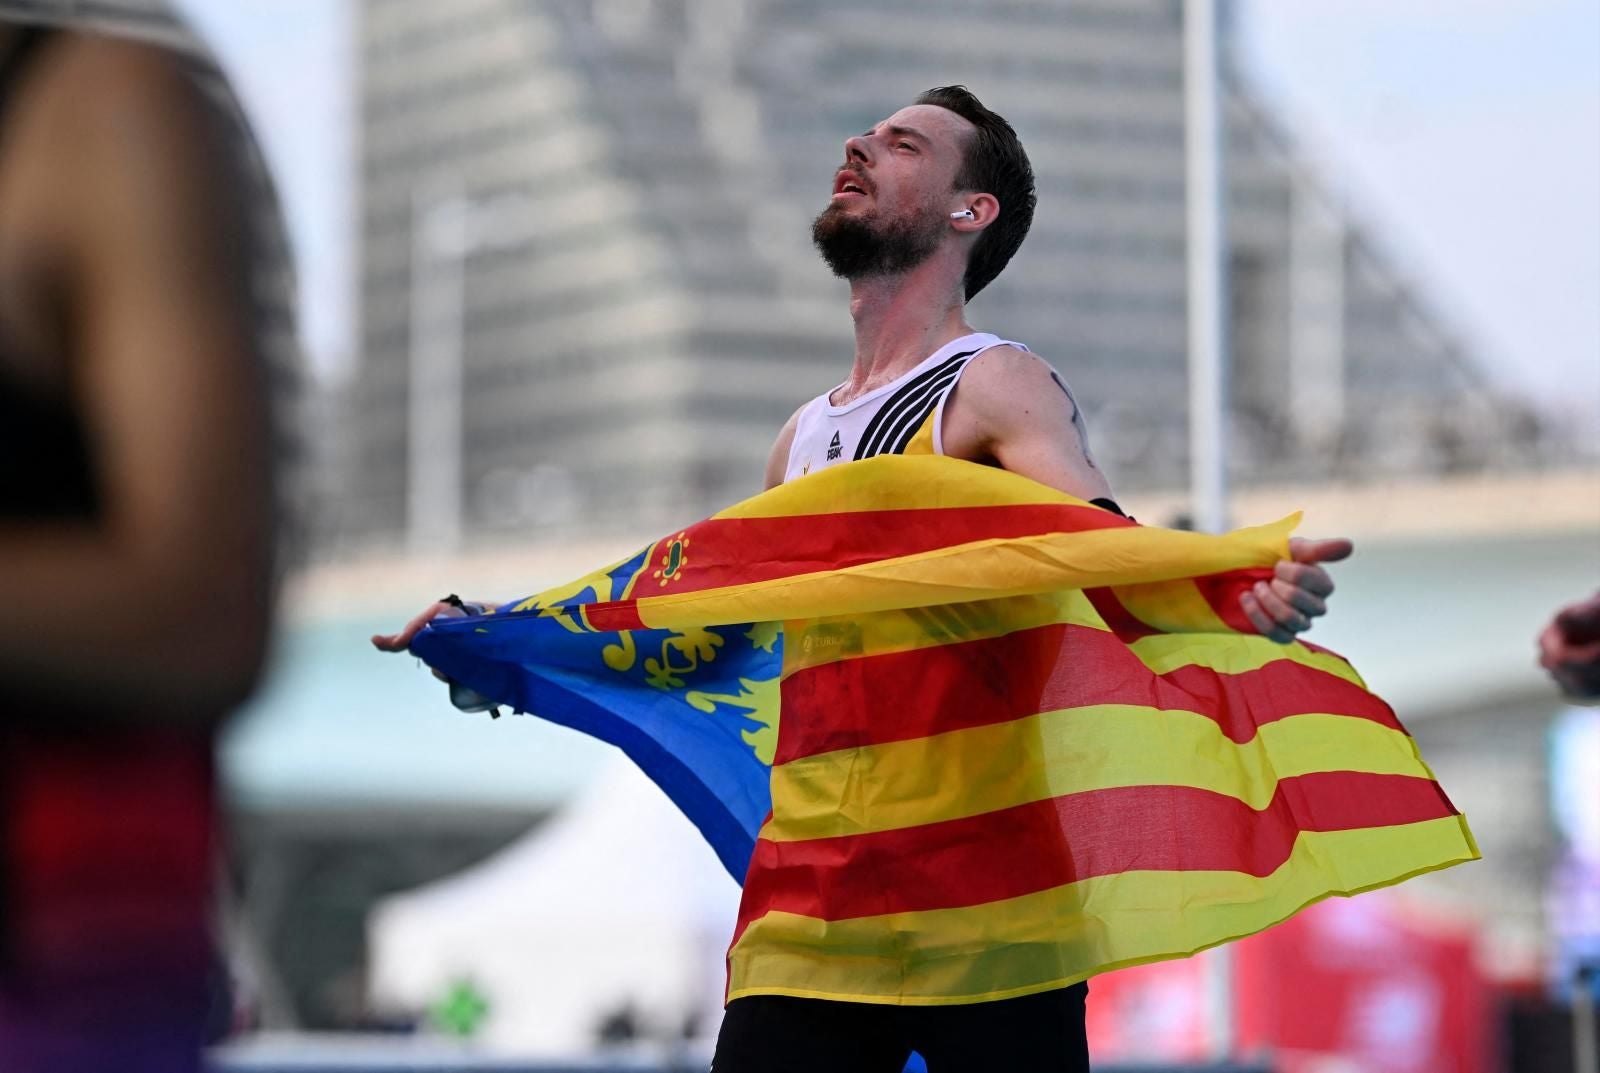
{"points": [[1569, 648], [142, 307]]}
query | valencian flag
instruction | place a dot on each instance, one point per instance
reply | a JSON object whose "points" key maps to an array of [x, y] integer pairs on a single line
{"points": [[1007, 739]]}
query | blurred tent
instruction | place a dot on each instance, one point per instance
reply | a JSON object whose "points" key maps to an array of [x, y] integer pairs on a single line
{"points": [[610, 918]]}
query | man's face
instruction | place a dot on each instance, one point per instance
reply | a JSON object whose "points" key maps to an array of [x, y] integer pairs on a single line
{"points": [[893, 195]]}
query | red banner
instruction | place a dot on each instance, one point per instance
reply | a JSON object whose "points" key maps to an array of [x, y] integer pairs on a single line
{"points": [[1357, 985]]}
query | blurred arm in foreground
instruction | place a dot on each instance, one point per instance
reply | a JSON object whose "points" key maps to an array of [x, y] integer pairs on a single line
{"points": [[136, 537], [141, 298]]}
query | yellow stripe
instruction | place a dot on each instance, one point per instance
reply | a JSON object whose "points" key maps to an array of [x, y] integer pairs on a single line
{"points": [[1235, 653], [600, 581], [817, 641], [984, 569], [922, 442], [983, 769], [814, 642], [1171, 606], [1060, 936], [897, 482]]}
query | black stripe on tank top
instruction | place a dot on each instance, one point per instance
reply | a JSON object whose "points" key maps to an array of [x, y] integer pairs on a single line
{"points": [[906, 427], [909, 397]]}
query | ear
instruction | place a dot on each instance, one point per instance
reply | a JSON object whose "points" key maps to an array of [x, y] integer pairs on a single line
{"points": [[985, 209]]}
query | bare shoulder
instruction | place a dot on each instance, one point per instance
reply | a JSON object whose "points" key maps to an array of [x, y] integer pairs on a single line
{"points": [[778, 458], [114, 76], [1003, 376], [95, 107], [134, 110], [1002, 389], [1012, 409], [108, 97], [157, 200]]}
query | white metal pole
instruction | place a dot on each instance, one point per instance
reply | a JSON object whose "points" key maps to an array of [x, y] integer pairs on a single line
{"points": [[1207, 270], [1219, 1001], [433, 445], [1208, 348]]}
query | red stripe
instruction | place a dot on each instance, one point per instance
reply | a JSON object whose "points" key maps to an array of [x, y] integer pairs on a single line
{"points": [[902, 695], [717, 552], [614, 616], [1049, 843], [1222, 592], [1118, 618]]}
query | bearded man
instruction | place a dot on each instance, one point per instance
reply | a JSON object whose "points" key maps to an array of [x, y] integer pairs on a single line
{"points": [[927, 208]]}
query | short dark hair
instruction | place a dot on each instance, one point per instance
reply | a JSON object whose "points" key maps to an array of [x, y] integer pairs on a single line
{"points": [[993, 162]]}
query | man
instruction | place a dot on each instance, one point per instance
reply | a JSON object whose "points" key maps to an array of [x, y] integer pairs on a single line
{"points": [[927, 208], [142, 303]]}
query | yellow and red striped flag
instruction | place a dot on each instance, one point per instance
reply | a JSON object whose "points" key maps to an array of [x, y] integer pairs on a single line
{"points": [[1014, 739]]}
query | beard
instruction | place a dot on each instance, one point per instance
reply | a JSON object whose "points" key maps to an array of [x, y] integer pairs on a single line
{"points": [[863, 247]]}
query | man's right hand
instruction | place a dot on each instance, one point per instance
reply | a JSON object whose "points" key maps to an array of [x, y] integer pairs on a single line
{"points": [[401, 642]]}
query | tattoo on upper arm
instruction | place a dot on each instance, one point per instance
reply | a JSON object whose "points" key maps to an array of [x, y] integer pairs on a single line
{"points": [[1077, 419]]}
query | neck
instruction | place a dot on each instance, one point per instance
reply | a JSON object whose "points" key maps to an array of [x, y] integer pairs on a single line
{"points": [[902, 319]]}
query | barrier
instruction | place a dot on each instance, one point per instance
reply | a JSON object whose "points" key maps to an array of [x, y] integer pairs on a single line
{"points": [[350, 1057]]}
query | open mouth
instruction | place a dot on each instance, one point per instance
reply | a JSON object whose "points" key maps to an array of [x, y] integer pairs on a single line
{"points": [[848, 184]]}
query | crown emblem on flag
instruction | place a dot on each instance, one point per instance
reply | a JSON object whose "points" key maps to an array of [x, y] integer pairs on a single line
{"points": [[673, 560]]}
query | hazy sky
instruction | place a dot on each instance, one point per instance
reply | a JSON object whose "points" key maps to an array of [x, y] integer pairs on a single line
{"points": [[1466, 133]]}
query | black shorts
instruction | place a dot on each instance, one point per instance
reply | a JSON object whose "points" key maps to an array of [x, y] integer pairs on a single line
{"points": [[1040, 1033]]}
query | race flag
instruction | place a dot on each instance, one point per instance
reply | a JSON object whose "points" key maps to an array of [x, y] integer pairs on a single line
{"points": [[1012, 739]]}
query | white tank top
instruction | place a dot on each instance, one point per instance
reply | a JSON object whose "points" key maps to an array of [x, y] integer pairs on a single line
{"points": [[902, 417]]}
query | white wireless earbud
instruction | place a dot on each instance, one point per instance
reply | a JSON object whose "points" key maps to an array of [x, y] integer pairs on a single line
{"points": [[964, 214]]}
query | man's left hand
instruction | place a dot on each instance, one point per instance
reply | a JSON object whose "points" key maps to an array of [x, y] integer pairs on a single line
{"points": [[1298, 591]]}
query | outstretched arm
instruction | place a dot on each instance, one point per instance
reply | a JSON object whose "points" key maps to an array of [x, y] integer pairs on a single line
{"points": [[1012, 410]]}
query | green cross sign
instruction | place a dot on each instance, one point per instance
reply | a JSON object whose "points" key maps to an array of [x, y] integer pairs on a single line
{"points": [[462, 1010]]}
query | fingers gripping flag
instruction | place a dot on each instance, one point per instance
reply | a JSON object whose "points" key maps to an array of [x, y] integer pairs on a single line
{"points": [[963, 736]]}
